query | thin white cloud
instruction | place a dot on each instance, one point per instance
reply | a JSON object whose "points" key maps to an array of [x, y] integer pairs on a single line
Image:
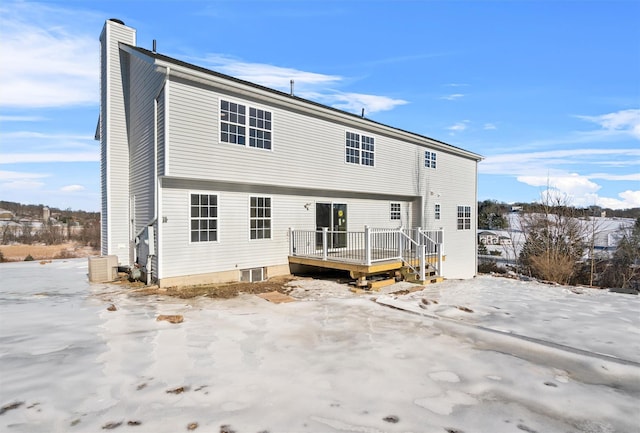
{"points": [[18, 158], [459, 126], [21, 118], [269, 75], [572, 183], [355, 102], [615, 177], [528, 162], [489, 126], [18, 175], [72, 188], [456, 85], [21, 185], [46, 61], [453, 97], [309, 85], [623, 121]]}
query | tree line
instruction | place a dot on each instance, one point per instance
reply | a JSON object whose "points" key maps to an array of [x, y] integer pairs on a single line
{"points": [[64, 225]]}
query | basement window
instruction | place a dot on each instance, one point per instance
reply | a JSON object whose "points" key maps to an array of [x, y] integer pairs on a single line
{"points": [[252, 275]]}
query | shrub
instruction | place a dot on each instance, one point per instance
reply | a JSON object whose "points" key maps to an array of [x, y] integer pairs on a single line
{"points": [[487, 267], [29, 258]]}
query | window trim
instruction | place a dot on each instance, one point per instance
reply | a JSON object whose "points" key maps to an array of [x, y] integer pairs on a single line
{"points": [[247, 124], [360, 150], [217, 218], [430, 161], [250, 218], [397, 212], [464, 218]]}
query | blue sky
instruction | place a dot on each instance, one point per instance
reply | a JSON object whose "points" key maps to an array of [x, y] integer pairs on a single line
{"points": [[547, 91]]}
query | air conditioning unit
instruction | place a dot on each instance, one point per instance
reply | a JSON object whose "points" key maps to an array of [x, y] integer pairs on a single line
{"points": [[103, 269]]}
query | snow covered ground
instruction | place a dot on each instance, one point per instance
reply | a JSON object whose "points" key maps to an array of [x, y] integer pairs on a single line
{"points": [[483, 355]]}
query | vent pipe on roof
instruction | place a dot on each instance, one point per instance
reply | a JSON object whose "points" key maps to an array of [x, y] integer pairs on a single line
{"points": [[154, 45], [291, 84], [362, 112]]}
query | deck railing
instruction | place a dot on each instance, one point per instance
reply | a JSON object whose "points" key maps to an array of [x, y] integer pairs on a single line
{"points": [[412, 246]]}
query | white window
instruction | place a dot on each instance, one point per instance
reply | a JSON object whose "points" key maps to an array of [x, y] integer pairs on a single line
{"points": [[233, 125], [395, 211], [232, 121], [464, 217], [359, 149], [429, 159], [260, 217], [259, 128], [204, 217], [436, 211]]}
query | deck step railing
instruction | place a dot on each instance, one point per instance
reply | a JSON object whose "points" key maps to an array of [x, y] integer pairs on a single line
{"points": [[412, 246]]}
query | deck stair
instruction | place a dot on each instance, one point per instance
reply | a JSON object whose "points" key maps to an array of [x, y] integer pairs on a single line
{"points": [[373, 257], [430, 276]]}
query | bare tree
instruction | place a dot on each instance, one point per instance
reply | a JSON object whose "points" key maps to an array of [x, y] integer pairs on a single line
{"points": [[554, 240]]}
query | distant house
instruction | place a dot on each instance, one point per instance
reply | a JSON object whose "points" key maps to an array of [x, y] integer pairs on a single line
{"points": [[209, 178], [6, 215], [488, 238], [504, 240]]}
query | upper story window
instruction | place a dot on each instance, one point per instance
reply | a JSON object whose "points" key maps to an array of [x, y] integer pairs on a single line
{"points": [[429, 159], [233, 125], [359, 149], [259, 128], [436, 211], [464, 217], [232, 121], [395, 211], [204, 217], [260, 217]]}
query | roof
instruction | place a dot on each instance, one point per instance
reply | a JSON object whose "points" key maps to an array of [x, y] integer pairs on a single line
{"points": [[163, 58]]}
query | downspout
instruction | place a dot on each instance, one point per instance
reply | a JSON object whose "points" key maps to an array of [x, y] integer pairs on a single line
{"points": [[156, 189]]}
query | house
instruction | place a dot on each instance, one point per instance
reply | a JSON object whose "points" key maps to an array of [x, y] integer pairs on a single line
{"points": [[488, 238], [209, 178]]}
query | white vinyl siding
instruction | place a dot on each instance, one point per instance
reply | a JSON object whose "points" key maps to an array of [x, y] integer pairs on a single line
{"points": [[114, 143], [234, 248], [160, 130]]}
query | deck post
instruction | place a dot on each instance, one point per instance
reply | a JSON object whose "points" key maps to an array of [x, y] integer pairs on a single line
{"points": [[422, 260], [291, 248], [417, 238], [325, 244], [400, 242], [367, 245], [439, 247]]}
